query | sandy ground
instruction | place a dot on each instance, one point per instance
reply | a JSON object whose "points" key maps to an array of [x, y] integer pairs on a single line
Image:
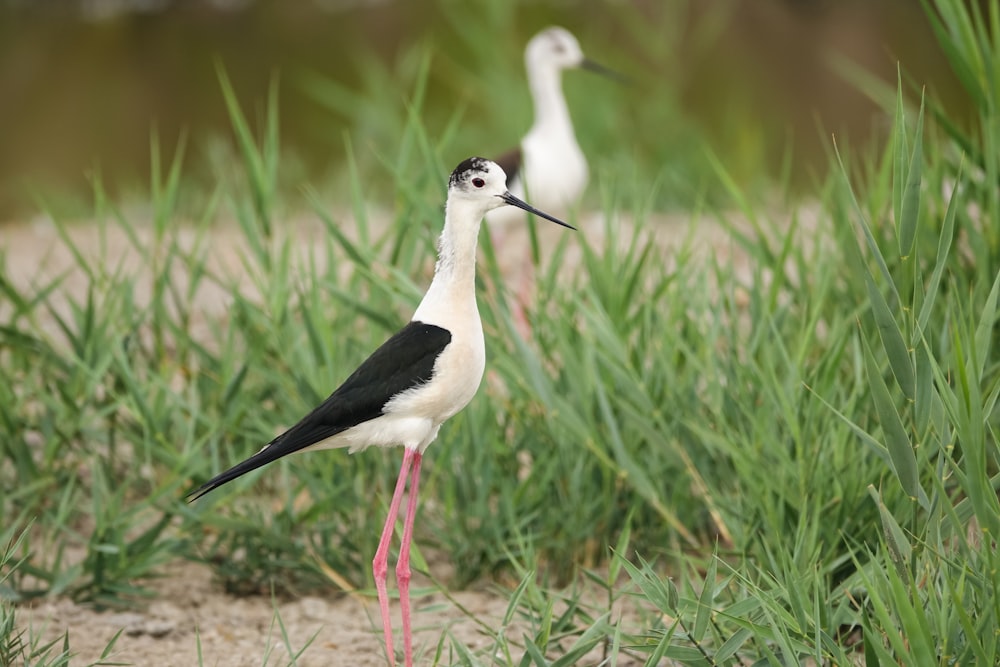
{"points": [[191, 612]]}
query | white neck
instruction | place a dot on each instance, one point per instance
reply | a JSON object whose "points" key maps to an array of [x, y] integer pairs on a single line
{"points": [[454, 285], [551, 113]]}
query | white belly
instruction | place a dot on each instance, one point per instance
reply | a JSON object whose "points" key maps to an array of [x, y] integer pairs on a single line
{"points": [[458, 373], [552, 177], [554, 172]]}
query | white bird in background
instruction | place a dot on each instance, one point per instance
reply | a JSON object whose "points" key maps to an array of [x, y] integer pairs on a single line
{"points": [[415, 381], [548, 166]]}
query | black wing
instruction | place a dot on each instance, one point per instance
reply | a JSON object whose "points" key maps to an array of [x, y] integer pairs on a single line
{"points": [[404, 361], [510, 162]]}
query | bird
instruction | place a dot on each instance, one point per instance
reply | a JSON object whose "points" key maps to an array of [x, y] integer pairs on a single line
{"points": [[548, 166], [415, 381]]}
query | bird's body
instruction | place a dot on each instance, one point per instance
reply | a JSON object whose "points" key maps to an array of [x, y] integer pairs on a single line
{"points": [[416, 380], [550, 163]]}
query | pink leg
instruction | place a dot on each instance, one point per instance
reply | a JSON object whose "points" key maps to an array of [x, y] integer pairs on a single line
{"points": [[403, 564], [380, 565]]}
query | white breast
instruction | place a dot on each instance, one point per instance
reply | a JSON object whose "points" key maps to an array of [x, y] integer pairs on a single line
{"points": [[554, 170], [459, 369], [552, 177], [457, 376]]}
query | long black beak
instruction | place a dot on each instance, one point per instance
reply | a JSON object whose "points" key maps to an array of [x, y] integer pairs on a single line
{"points": [[508, 198], [598, 68]]}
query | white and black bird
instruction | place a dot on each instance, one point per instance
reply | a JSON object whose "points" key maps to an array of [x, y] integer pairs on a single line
{"points": [[548, 165], [415, 381]]}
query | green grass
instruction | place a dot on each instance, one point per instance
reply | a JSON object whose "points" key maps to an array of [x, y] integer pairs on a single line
{"points": [[796, 460]]}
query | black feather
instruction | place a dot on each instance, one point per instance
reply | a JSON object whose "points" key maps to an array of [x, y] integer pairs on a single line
{"points": [[404, 361]]}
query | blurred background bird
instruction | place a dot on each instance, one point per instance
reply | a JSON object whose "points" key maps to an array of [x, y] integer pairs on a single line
{"points": [[548, 163]]}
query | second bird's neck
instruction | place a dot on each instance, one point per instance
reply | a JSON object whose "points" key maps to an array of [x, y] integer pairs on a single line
{"points": [[551, 113]]}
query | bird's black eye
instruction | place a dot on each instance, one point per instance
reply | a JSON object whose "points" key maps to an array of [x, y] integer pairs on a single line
{"points": [[478, 182]]}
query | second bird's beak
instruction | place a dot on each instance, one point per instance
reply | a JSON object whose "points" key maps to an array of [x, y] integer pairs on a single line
{"points": [[508, 198], [598, 68]]}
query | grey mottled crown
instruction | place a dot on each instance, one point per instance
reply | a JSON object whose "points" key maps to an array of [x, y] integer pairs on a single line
{"points": [[466, 167]]}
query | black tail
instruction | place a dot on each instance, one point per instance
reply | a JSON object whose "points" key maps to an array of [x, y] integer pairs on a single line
{"points": [[261, 458], [311, 430]]}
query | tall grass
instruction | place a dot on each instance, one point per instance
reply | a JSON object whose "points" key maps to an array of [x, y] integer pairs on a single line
{"points": [[780, 448]]}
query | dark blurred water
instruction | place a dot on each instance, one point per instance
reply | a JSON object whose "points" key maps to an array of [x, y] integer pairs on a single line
{"points": [[82, 83]]}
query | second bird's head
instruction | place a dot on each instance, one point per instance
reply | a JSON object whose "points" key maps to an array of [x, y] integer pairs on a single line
{"points": [[482, 183], [556, 48]]}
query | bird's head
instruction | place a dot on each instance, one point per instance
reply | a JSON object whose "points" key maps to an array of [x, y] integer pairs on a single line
{"points": [[557, 48], [482, 184]]}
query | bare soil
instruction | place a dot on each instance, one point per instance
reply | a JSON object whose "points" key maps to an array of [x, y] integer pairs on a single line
{"points": [[192, 616]]}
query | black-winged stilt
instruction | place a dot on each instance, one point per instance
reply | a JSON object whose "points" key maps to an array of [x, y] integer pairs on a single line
{"points": [[416, 380], [548, 166]]}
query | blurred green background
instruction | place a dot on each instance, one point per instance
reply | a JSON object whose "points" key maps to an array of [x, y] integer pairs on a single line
{"points": [[82, 84]]}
